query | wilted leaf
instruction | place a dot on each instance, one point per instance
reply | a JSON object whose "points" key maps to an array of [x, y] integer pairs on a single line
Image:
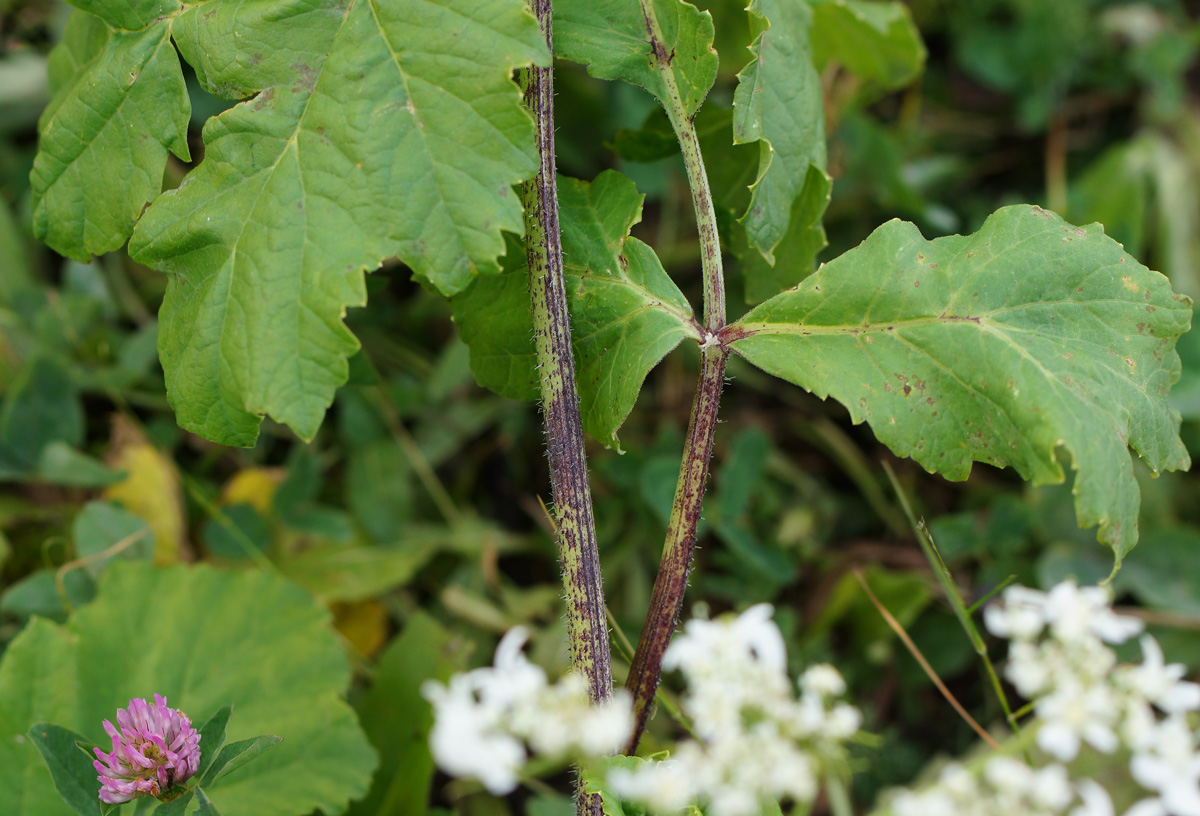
{"points": [[254, 486], [996, 347], [364, 624]]}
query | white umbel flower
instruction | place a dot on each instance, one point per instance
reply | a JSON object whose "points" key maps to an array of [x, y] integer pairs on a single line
{"points": [[469, 738], [1161, 684], [1171, 767], [1004, 787], [760, 742], [1094, 800], [487, 721], [1061, 659]]}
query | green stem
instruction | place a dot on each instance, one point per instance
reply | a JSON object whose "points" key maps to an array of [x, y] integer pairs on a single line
{"points": [[576, 528], [706, 215], [666, 602]]}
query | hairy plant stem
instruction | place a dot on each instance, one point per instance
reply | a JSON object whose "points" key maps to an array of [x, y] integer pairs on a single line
{"points": [[587, 626], [706, 216], [666, 601]]}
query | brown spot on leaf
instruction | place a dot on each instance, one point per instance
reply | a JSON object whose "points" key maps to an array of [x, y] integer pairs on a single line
{"points": [[306, 76]]}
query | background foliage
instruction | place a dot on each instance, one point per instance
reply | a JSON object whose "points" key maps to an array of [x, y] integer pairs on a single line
{"points": [[414, 514]]}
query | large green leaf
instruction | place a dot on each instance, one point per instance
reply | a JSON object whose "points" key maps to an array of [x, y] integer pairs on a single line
{"points": [[610, 37], [996, 347], [626, 313], [381, 130], [121, 105], [205, 639], [876, 41], [372, 130], [779, 104]]}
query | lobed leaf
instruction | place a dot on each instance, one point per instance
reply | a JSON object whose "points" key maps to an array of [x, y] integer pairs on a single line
{"points": [[997, 347], [626, 313], [611, 39], [373, 130], [796, 253], [205, 639], [779, 104], [120, 106]]}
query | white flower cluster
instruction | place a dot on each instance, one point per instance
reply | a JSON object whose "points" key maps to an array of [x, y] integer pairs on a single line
{"points": [[487, 721], [1006, 787], [759, 742], [1060, 659]]}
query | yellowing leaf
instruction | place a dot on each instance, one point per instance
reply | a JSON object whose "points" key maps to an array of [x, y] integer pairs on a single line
{"points": [[364, 624], [254, 486], [150, 491]]}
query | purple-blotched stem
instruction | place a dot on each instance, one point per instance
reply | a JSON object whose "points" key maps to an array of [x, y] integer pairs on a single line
{"points": [[587, 626], [666, 602]]}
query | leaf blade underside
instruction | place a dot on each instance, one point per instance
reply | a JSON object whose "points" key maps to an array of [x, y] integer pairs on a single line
{"points": [[996, 347], [780, 104]]}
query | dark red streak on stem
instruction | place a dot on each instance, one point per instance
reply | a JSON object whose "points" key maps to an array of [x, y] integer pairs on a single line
{"points": [[666, 602]]}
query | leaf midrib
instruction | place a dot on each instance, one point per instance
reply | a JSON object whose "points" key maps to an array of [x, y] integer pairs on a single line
{"points": [[742, 330], [686, 319]]}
